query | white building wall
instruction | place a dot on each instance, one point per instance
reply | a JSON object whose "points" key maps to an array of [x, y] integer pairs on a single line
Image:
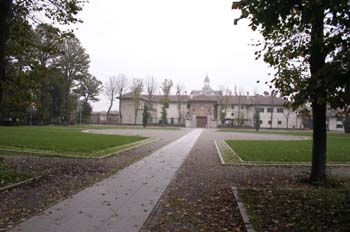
{"points": [[128, 112], [279, 120], [172, 111], [335, 124]]}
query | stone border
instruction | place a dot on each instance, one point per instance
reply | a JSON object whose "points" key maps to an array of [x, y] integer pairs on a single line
{"points": [[128, 147], [23, 182], [132, 146], [219, 153], [10, 186], [233, 152], [222, 160], [242, 210]]}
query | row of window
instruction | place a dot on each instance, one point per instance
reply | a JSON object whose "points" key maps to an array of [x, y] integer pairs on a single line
{"points": [[269, 110], [269, 122]]}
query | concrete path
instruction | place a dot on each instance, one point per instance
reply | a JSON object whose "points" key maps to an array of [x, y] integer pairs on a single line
{"points": [[121, 202]]}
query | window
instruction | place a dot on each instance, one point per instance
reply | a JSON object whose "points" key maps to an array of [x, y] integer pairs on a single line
{"points": [[339, 119], [339, 126], [242, 107], [279, 122], [279, 110], [270, 110], [232, 114], [261, 122], [260, 110], [269, 122]]}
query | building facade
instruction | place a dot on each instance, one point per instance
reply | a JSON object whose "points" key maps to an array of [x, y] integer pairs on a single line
{"points": [[207, 108]]}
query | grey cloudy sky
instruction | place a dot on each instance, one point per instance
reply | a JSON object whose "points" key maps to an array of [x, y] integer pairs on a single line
{"points": [[183, 40]]}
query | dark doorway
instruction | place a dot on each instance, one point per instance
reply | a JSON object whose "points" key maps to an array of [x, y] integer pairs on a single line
{"points": [[202, 122]]}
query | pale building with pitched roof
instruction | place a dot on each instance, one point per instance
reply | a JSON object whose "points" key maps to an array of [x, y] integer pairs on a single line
{"points": [[208, 108]]}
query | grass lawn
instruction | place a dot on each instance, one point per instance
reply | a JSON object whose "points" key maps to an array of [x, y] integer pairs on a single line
{"points": [[266, 131], [338, 147], [298, 209], [68, 141], [9, 176]]}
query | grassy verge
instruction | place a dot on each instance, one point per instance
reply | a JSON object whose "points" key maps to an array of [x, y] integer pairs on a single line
{"points": [[298, 209], [62, 140], [9, 176], [338, 146]]}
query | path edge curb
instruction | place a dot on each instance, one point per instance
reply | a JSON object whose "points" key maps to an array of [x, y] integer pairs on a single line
{"points": [[23, 182], [219, 152], [242, 210]]}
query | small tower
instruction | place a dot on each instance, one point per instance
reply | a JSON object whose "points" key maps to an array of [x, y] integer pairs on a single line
{"points": [[206, 86]]}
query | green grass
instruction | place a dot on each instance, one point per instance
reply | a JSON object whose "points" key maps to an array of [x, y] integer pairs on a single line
{"points": [[338, 149], [62, 140], [9, 176], [281, 132]]}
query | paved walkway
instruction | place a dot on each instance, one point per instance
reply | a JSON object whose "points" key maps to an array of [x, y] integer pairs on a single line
{"points": [[121, 202]]}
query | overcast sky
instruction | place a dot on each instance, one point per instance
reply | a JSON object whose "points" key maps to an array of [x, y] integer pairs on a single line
{"points": [[183, 40]]}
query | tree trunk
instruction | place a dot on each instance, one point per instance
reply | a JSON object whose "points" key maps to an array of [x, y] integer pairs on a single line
{"points": [[319, 98], [120, 109], [319, 144], [5, 17], [136, 110], [109, 110]]}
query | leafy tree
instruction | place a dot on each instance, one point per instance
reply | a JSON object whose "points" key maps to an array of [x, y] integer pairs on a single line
{"points": [[122, 83], [179, 89], [166, 86], [26, 12], [56, 90], [257, 121], [20, 88], [85, 112], [226, 94], [89, 88], [240, 119], [307, 42], [74, 64], [137, 88], [46, 41], [151, 87], [145, 116]]}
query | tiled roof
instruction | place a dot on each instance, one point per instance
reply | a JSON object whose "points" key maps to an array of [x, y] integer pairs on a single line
{"points": [[204, 98], [227, 100], [251, 100]]}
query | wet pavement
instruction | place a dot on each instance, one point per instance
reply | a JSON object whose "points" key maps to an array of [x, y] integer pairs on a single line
{"points": [[121, 202]]}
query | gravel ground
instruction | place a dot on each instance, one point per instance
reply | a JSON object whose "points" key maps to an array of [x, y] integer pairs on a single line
{"points": [[63, 177], [200, 197]]}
